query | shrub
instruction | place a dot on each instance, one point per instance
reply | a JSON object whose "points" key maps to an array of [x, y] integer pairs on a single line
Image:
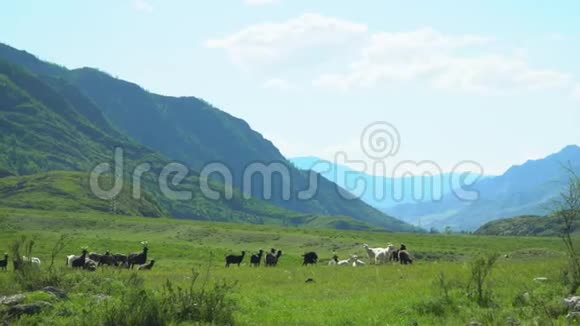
{"points": [[213, 305], [30, 277], [137, 306], [443, 301], [172, 305], [478, 287]]}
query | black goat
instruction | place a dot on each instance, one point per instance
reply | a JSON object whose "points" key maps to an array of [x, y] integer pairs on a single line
{"points": [[272, 259], [137, 258], [394, 256], [310, 258], [147, 267], [95, 257], [255, 259], [405, 257], [80, 262], [120, 259], [234, 259], [107, 259], [4, 262]]}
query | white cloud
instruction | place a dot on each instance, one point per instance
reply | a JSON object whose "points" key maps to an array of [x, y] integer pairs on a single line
{"points": [[444, 61], [270, 42], [142, 5], [576, 92], [277, 84], [312, 42], [260, 2]]}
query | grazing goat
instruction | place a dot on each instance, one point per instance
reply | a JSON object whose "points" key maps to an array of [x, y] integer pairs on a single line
{"points": [[384, 254], [107, 259], [333, 261], [120, 259], [310, 258], [147, 267], [394, 255], [345, 262], [272, 259], [357, 262], [255, 259], [370, 252], [69, 259], [138, 258], [90, 265], [95, 257], [19, 263], [80, 262], [376, 255], [4, 262], [405, 257], [235, 259], [32, 260]]}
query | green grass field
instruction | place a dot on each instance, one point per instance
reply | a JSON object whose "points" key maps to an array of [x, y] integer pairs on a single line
{"points": [[390, 294]]}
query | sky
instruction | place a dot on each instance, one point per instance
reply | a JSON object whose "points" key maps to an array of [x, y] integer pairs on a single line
{"points": [[494, 82]]}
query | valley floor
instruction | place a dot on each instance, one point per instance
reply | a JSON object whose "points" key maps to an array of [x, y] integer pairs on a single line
{"points": [[390, 294]]}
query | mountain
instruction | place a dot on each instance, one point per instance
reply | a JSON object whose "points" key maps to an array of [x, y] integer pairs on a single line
{"points": [[56, 119], [525, 189], [395, 191], [48, 125]]}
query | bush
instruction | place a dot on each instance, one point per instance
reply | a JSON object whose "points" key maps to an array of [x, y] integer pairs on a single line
{"points": [[443, 301], [174, 304], [28, 276], [33, 279], [478, 288], [136, 306], [213, 305]]}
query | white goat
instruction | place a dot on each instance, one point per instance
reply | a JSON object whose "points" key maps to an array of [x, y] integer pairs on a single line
{"points": [[372, 252], [346, 262], [384, 254], [32, 260], [333, 261], [357, 262]]}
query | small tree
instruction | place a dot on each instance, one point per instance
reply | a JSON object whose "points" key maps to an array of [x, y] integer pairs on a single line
{"points": [[19, 248], [478, 288], [567, 210], [59, 245]]}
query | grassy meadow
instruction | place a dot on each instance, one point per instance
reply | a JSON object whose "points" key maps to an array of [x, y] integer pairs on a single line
{"points": [[432, 291]]}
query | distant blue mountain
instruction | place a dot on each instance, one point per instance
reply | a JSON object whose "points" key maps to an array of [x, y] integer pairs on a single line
{"points": [[378, 191], [526, 189]]}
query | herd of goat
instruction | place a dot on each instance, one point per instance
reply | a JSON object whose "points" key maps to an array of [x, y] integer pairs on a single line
{"points": [[90, 261], [376, 256]]}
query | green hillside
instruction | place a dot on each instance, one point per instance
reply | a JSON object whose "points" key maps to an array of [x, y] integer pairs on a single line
{"points": [[524, 226], [65, 191], [184, 129]]}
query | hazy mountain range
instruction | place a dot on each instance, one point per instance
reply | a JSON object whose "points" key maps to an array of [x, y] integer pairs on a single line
{"points": [[525, 189], [386, 192]]}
